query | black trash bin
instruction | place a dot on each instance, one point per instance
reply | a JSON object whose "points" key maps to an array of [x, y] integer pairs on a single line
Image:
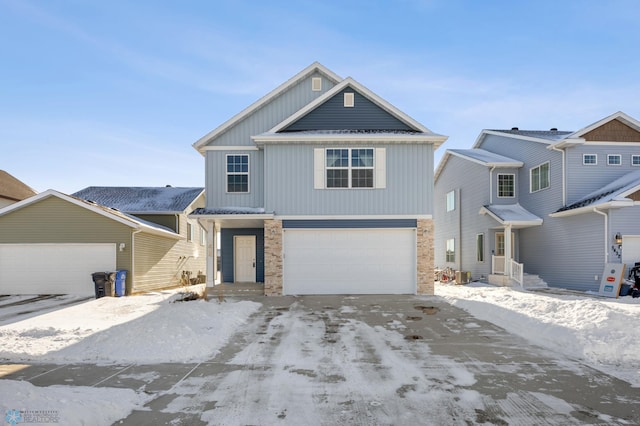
{"points": [[103, 283]]}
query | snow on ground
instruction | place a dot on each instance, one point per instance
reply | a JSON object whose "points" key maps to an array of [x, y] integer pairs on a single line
{"points": [[145, 329], [603, 332]]}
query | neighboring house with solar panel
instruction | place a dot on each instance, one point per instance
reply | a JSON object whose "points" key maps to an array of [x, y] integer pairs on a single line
{"points": [[52, 243], [552, 206], [321, 187], [12, 190]]}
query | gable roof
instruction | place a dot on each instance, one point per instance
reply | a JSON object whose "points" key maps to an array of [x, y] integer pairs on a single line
{"points": [[620, 116], [420, 132], [118, 216], [479, 156], [138, 200], [314, 67], [611, 195], [511, 214], [13, 189]]}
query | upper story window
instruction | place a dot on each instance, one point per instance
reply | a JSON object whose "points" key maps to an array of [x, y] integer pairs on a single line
{"points": [[237, 173], [189, 232], [539, 177], [635, 160], [349, 167], [451, 201], [614, 160], [506, 185], [589, 159]]}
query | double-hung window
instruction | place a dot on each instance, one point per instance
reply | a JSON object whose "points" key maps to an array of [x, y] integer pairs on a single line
{"points": [[349, 167], [506, 185], [237, 173], [539, 177]]}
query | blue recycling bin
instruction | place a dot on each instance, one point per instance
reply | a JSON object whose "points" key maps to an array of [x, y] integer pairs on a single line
{"points": [[120, 284]]}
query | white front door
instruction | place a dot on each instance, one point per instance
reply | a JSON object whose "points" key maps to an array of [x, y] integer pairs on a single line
{"points": [[244, 258]]}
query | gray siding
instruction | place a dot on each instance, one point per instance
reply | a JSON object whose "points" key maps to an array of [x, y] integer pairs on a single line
{"points": [[216, 180], [273, 113], [333, 115], [470, 181], [583, 180], [227, 260], [409, 183]]}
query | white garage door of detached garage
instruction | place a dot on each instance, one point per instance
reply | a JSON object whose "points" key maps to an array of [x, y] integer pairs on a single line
{"points": [[349, 261], [630, 250], [53, 268]]}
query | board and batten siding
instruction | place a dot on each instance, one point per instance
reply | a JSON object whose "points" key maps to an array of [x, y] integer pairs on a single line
{"points": [[470, 183], [216, 180], [333, 115], [289, 182], [53, 220], [276, 111]]}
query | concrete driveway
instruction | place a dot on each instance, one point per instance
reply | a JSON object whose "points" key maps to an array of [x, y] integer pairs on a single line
{"points": [[364, 360]]}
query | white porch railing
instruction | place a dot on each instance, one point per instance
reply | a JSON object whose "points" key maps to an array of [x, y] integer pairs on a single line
{"points": [[517, 272], [516, 269]]}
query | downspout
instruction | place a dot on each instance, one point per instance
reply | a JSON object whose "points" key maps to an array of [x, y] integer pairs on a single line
{"points": [[606, 232], [459, 229], [133, 255], [491, 184], [564, 181]]}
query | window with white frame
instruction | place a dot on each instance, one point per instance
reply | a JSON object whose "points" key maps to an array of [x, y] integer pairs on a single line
{"points": [[589, 159], [189, 232], [614, 160], [539, 177], [203, 237], [451, 201], [237, 173], [451, 250], [506, 185], [635, 160], [349, 167], [479, 247]]}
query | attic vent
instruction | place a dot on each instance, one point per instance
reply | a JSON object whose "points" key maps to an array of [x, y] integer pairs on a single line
{"points": [[554, 129], [316, 84], [349, 100], [514, 128]]}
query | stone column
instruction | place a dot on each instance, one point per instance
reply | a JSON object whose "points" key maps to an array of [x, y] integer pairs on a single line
{"points": [[272, 257], [425, 256]]}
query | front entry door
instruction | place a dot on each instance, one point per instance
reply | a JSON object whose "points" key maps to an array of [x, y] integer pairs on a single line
{"points": [[245, 258]]}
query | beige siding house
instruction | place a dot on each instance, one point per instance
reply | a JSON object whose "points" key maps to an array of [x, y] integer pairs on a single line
{"points": [[51, 243], [12, 190]]}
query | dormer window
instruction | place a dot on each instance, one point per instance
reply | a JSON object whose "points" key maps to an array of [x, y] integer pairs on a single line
{"points": [[349, 100]]}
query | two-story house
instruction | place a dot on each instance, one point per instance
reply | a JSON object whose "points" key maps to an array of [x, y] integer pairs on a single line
{"points": [[321, 187], [556, 204]]}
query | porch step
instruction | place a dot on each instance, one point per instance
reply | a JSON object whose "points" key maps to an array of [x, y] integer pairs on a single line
{"points": [[533, 281]]}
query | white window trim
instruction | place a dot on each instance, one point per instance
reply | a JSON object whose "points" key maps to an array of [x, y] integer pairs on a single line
{"points": [[349, 99], [316, 84], [609, 156], [531, 178], [190, 232], [227, 173], [450, 201], [635, 156], [453, 251], [481, 251], [498, 185], [590, 164], [379, 168]]}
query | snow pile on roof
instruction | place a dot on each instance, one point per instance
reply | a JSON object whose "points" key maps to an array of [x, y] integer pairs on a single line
{"points": [[609, 192], [229, 210], [486, 157], [141, 199], [600, 331]]}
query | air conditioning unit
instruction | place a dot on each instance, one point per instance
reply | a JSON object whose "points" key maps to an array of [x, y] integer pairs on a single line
{"points": [[463, 277]]}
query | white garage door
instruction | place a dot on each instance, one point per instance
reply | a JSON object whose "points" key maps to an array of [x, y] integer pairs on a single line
{"points": [[349, 261], [53, 268], [630, 250]]}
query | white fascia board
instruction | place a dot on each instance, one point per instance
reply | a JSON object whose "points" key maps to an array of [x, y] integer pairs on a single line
{"points": [[231, 216], [511, 135], [354, 217], [316, 66], [161, 232], [441, 164], [616, 204], [363, 91], [297, 138], [516, 223], [230, 148], [513, 164], [566, 143], [630, 121]]}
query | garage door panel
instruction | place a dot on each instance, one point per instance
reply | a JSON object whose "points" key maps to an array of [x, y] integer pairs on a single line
{"points": [[53, 268], [348, 261]]}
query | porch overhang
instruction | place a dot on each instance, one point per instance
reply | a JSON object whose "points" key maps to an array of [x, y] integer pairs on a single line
{"points": [[513, 215], [230, 217]]}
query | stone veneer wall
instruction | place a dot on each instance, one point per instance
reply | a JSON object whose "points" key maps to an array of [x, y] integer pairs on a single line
{"points": [[273, 257], [425, 261]]}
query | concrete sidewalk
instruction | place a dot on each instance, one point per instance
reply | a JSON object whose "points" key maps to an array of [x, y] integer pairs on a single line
{"points": [[399, 360]]}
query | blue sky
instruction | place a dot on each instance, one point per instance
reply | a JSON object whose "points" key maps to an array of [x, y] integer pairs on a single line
{"points": [[115, 92]]}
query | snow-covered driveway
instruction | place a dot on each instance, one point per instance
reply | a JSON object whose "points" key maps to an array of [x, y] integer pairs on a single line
{"points": [[322, 360]]}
